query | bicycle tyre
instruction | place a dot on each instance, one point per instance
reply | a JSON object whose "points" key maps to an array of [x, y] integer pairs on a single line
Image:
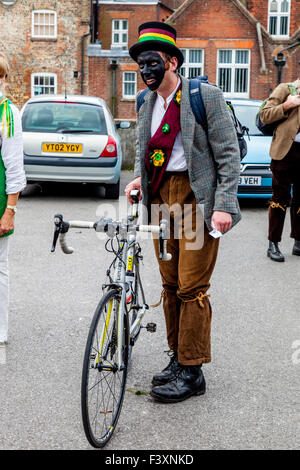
{"points": [[102, 391]]}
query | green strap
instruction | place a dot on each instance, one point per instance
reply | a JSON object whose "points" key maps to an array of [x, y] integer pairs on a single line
{"points": [[6, 116]]}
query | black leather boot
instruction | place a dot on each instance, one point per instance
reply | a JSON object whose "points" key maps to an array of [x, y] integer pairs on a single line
{"points": [[170, 372], [296, 248], [274, 252], [189, 381]]}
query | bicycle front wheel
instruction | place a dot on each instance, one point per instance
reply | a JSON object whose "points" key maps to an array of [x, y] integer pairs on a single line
{"points": [[104, 371]]}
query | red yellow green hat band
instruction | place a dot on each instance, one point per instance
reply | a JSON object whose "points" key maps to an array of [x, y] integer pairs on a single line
{"points": [[155, 33]]}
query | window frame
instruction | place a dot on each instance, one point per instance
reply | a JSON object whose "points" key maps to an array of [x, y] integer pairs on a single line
{"points": [[129, 97], [120, 31], [189, 65], [39, 36], [43, 74], [278, 15], [233, 66], [8, 3]]}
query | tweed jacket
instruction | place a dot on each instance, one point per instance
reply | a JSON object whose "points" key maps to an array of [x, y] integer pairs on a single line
{"points": [[286, 131], [213, 163]]}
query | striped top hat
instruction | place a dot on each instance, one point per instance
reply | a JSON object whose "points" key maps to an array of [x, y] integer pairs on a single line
{"points": [[156, 36]]}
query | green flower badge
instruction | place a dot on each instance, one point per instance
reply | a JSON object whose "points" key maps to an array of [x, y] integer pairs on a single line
{"points": [[166, 129]]}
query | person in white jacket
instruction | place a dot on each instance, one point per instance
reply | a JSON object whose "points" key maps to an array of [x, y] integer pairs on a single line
{"points": [[12, 181]]}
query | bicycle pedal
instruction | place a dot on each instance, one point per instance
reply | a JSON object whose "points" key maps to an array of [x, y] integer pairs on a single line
{"points": [[151, 327]]}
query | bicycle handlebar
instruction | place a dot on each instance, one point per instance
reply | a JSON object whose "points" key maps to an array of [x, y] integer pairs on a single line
{"points": [[111, 228]]}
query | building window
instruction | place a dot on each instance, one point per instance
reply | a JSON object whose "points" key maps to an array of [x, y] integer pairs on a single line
{"points": [[44, 24], [120, 33], [43, 84], [193, 63], [129, 85], [8, 2], [233, 72], [279, 17]]}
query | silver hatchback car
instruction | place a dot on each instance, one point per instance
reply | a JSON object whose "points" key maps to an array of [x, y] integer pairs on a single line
{"points": [[71, 139]]}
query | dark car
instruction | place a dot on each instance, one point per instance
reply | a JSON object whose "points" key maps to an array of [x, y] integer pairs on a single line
{"points": [[255, 177]]}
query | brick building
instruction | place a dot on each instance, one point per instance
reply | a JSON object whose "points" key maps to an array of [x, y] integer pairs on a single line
{"points": [[82, 45], [43, 41], [234, 42], [112, 73]]}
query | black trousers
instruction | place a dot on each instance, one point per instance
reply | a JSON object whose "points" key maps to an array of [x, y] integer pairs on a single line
{"points": [[286, 192]]}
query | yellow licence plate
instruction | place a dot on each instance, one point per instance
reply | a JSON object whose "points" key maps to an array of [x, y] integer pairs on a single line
{"points": [[62, 148]]}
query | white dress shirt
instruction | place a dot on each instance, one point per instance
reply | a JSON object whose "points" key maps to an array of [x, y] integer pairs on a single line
{"points": [[177, 161], [297, 138], [12, 154]]}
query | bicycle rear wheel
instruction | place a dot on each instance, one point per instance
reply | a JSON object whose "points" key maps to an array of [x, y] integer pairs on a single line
{"points": [[103, 383]]}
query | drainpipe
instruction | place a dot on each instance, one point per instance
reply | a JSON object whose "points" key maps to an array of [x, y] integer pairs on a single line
{"points": [[261, 48], [82, 60], [96, 22], [157, 11], [113, 65]]}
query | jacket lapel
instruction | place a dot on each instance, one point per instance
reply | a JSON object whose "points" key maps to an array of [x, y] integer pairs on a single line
{"points": [[187, 120], [145, 124]]}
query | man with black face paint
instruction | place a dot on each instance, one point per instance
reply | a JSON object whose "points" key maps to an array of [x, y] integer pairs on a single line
{"points": [[179, 165], [152, 68]]}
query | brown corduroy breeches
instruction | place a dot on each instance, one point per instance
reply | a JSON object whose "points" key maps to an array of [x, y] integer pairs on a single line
{"points": [[186, 278]]}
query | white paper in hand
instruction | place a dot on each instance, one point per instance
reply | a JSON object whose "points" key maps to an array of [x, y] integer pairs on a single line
{"points": [[215, 233]]}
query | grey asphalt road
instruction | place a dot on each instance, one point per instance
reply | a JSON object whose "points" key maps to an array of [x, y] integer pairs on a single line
{"points": [[253, 382]]}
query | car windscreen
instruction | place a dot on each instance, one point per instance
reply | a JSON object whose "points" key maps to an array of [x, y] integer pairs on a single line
{"points": [[55, 116], [246, 115]]}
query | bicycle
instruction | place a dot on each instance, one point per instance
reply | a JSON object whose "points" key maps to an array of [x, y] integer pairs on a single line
{"points": [[116, 323]]}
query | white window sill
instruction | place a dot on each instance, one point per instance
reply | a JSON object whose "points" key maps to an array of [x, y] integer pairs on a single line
{"points": [[43, 38], [274, 36], [236, 95]]}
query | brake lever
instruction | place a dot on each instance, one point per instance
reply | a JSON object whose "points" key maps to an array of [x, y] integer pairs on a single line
{"points": [[60, 227], [134, 194]]}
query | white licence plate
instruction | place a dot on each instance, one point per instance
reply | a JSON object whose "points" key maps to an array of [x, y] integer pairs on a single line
{"points": [[250, 180]]}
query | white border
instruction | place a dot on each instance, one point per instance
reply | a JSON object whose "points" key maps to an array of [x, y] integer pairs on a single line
{"points": [[55, 24], [43, 74], [128, 97], [188, 65], [278, 15], [120, 32], [234, 66]]}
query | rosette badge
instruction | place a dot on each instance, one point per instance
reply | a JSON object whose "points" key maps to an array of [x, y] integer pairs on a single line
{"points": [[177, 97], [157, 157]]}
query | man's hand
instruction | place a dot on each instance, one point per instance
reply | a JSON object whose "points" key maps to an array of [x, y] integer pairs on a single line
{"points": [[7, 222], [135, 184], [291, 102], [222, 221]]}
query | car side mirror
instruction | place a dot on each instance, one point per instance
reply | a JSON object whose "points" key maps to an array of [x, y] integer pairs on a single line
{"points": [[123, 125]]}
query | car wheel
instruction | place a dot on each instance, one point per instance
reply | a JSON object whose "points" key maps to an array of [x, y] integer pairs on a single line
{"points": [[112, 191]]}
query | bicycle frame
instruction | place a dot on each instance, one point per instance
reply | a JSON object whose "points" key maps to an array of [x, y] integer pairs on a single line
{"points": [[124, 265]]}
